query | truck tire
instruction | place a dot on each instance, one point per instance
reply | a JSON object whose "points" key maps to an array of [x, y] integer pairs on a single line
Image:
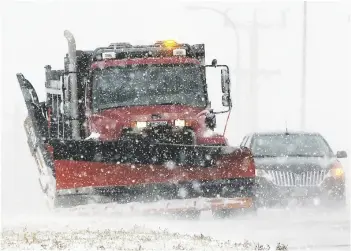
{"points": [[228, 213], [189, 215]]}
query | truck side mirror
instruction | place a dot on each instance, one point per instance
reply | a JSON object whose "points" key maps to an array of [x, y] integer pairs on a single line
{"points": [[210, 120], [225, 80], [226, 100], [341, 154]]}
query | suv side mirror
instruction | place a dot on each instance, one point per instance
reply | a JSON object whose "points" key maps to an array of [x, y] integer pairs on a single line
{"points": [[225, 80], [226, 100], [341, 154]]}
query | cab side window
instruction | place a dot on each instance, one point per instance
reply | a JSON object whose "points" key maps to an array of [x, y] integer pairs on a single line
{"points": [[243, 142], [248, 142]]}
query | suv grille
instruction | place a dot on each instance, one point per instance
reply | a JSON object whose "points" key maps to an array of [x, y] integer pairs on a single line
{"points": [[308, 178]]}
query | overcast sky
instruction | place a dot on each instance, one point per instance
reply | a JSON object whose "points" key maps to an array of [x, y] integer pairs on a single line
{"points": [[33, 37]]}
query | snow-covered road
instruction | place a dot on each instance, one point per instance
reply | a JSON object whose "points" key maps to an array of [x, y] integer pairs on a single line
{"points": [[298, 228]]}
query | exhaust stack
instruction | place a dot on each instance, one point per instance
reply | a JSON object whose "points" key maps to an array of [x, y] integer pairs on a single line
{"points": [[73, 83]]}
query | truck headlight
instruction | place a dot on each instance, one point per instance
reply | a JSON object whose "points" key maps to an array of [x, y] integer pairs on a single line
{"points": [[179, 123], [139, 124]]}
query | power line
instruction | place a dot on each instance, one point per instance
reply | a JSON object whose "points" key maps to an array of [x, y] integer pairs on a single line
{"points": [[254, 71]]}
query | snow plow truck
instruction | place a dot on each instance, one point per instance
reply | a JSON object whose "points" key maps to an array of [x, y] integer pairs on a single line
{"points": [[133, 124]]}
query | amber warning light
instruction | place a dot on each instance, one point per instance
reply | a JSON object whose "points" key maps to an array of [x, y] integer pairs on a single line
{"points": [[167, 43]]}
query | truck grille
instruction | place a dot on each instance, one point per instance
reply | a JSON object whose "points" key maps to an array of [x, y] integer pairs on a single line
{"points": [[308, 178]]}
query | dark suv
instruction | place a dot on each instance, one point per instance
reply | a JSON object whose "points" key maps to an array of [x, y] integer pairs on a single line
{"points": [[295, 165]]}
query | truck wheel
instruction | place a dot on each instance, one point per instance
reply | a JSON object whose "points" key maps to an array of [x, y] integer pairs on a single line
{"points": [[227, 213], [188, 215], [222, 213], [193, 215]]}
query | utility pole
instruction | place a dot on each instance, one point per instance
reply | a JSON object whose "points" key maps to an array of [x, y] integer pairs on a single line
{"points": [[254, 42], [253, 72], [230, 23], [233, 26], [303, 73]]}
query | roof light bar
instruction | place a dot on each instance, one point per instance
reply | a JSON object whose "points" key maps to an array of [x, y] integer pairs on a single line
{"points": [[120, 45], [179, 52], [108, 55]]}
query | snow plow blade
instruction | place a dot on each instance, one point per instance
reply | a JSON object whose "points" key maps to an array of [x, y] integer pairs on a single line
{"points": [[141, 171]]}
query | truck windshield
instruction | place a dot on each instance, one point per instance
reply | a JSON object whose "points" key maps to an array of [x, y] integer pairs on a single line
{"points": [[149, 85], [300, 145]]}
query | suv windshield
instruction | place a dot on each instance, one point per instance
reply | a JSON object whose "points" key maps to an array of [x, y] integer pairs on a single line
{"points": [[290, 145], [149, 85]]}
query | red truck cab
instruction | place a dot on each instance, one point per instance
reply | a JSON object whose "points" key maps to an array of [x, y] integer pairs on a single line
{"points": [[163, 98]]}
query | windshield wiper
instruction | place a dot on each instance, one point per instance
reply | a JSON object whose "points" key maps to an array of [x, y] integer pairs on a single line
{"points": [[305, 155], [265, 155], [109, 107], [170, 103], [119, 106]]}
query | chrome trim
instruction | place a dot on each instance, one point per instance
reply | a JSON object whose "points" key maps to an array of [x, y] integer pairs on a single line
{"points": [[306, 179]]}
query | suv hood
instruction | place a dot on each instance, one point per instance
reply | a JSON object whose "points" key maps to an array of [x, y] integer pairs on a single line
{"points": [[294, 164]]}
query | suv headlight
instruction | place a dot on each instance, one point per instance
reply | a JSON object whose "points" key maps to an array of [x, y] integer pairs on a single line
{"points": [[264, 174], [259, 172], [337, 171]]}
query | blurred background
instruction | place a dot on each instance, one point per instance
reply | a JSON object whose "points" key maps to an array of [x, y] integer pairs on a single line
{"points": [[277, 60]]}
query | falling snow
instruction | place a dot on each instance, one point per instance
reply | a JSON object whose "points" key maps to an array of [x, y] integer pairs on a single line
{"points": [[142, 147]]}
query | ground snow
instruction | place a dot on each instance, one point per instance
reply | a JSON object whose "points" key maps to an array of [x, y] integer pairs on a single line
{"points": [[137, 238], [95, 227]]}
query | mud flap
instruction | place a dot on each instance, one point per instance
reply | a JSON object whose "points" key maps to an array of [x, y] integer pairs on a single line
{"points": [[36, 128]]}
